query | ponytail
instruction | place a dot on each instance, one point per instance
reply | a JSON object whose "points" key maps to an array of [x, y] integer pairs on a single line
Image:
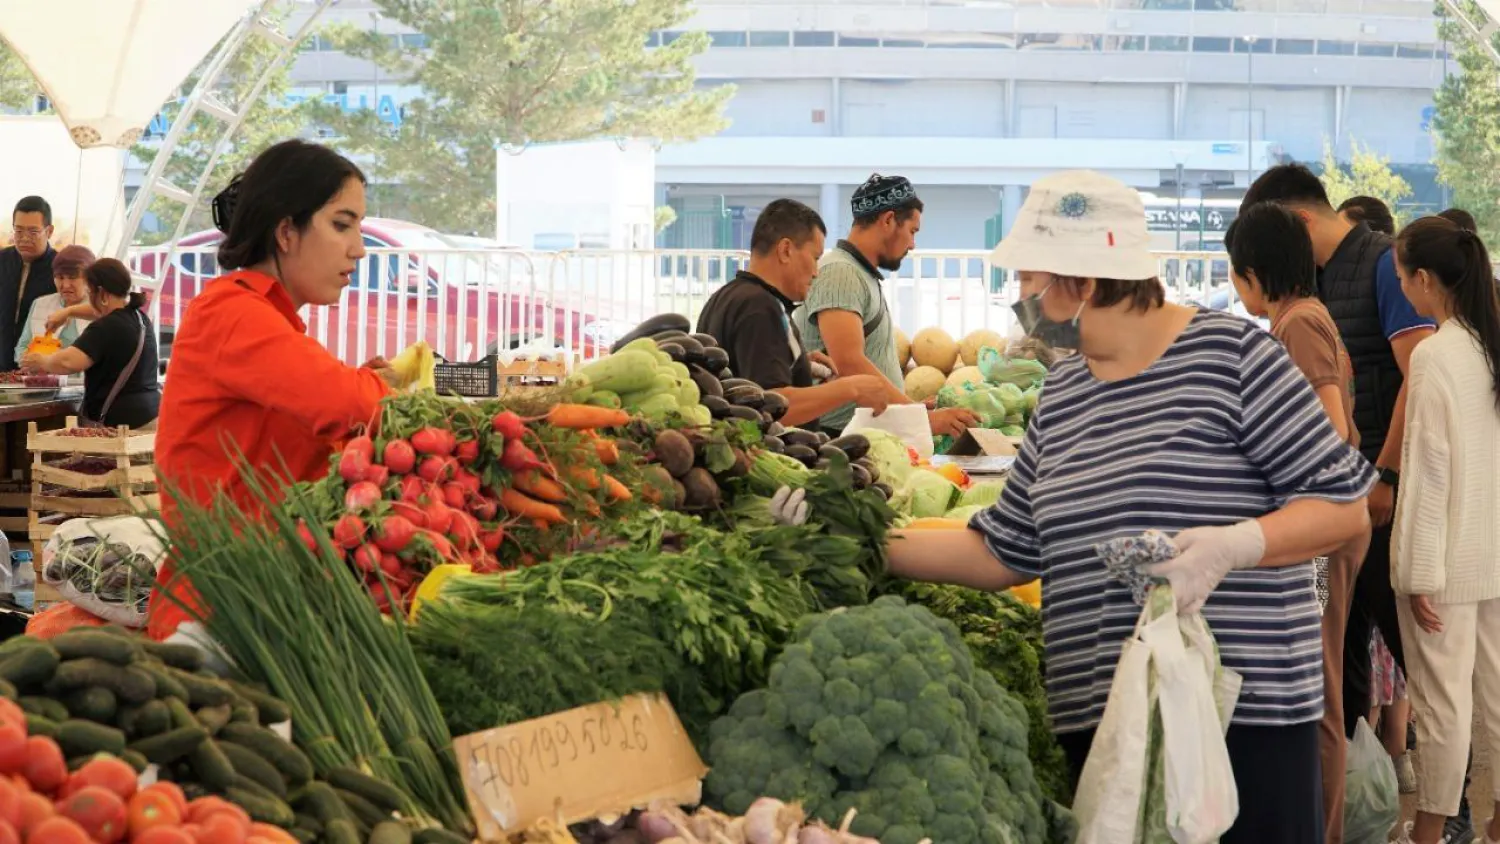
{"points": [[1457, 258], [136, 300]]}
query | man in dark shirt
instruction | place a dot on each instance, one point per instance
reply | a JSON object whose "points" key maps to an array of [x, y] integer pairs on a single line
{"points": [[751, 317], [25, 272]]}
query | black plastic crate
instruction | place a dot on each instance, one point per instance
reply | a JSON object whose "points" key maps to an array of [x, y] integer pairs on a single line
{"points": [[480, 379]]}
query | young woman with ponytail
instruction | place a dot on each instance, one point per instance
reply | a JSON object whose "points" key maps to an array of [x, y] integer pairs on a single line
{"points": [[1447, 524]]}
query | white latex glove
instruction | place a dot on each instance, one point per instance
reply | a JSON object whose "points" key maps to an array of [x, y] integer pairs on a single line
{"points": [[193, 634], [789, 506], [1206, 556]]}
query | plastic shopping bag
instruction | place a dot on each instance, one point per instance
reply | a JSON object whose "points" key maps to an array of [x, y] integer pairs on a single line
{"points": [[106, 566], [1112, 785], [1372, 802]]}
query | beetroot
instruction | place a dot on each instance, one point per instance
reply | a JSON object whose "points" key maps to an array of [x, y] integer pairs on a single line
{"points": [[400, 457]]}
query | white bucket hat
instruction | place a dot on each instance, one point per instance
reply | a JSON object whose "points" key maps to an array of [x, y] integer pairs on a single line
{"points": [[1080, 223]]}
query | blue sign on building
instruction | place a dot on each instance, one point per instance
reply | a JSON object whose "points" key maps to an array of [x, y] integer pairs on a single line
{"points": [[1228, 149], [385, 108]]}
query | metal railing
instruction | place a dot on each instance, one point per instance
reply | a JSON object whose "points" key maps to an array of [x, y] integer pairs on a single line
{"points": [[467, 303]]}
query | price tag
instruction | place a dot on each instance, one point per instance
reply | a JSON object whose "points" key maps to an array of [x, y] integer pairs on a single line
{"points": [[577, 765]]}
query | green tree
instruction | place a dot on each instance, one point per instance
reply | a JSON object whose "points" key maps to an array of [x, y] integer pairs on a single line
{"points": [[269, 120], [1466, 128], [518, 71], [1367, 174], [18, 88]]}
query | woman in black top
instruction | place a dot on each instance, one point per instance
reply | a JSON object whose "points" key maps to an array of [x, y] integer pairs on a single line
{"points": [[116, 353]]}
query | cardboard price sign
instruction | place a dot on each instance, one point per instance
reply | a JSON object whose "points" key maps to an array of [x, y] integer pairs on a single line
{"points": [[576, 765]]}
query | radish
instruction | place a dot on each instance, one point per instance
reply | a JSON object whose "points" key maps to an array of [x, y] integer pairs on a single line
{"points": [[439, 517], [305, 534], [390, 565], [394, 533], [353, 466], [467, 451], [468, 480], [484, 509], [378, 475], [413, 489], [410, 512], [490, 539], [440, 545], [431, 440], [519, 458], [400, 457], [363, 445], [349, 532], [366, 558], [454, 495], [435, 469], [507, 424], [362, 496]]}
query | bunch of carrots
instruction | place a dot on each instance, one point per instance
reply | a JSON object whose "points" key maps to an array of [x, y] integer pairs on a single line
{"points": [[441, 481]]}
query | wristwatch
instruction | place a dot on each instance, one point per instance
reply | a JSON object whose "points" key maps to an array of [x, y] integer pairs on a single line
{"points": [[1389, 477]]}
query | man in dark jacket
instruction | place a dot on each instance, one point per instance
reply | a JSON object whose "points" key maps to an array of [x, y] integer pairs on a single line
{"points": [[25, 272]]}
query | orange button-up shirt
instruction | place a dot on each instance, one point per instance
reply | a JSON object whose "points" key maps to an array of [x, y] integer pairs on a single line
{"points": [[244, 372]]}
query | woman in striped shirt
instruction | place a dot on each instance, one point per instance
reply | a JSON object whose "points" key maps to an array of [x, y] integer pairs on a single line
{"points": [[1194, 423]]}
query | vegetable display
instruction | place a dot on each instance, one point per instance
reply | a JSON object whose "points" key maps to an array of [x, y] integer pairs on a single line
{"points": [[767, 821]]}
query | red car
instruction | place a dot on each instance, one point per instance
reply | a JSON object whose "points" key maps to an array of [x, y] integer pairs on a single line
{"points": [[449, 296]]}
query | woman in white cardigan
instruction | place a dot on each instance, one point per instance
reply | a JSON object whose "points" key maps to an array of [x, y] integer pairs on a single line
{"points": [[1446, 545]]}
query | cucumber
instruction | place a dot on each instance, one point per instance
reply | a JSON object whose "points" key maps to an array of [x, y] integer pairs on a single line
{"points": [[202, 691], [389, 832], [305, 835], [166, 684], [16, 643], [181, 715], [130, 685], [242, 711], [271, 710], [260, 807], [342, 831], [213, 718], [308, 822], [8, 691], [437, 835], [170, 746], [364, 811], [320, 801], [211, 765], [77, 644], [30, 666], [184, 657], [46, 707], [282, 754], [245, 783], [135, 759], [85, 738], [37, 725], [381, 794], [94, 703], [258, 770], [149, 719]]}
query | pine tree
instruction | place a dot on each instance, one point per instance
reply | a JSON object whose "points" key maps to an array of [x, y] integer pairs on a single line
{"points": [[1467, 128], [1368, 174], [18, 88]]}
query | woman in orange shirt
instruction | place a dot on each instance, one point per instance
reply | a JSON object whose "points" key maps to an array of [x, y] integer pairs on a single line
{"points": [[244, 377]]}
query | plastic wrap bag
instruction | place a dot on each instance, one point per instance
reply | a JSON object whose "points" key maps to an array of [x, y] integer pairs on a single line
{"points": [[105, 566], [1372, 802]]}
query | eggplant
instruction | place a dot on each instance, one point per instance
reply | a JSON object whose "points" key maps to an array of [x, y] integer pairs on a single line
{"points": [[775, 405], [717, 407], [822, 465], [883, 490], [751, 396], [854, 445], [775, 430], [823, 439], [744, 414], [806, 456], [870, 468], [725, 373], [653, 326], [668, 337], [707, 384], [692, 350], [674, 351], [715, 359], [707, 340], [731, 383], [773, 444], [861, 477], [831, 453], [800, 436]]}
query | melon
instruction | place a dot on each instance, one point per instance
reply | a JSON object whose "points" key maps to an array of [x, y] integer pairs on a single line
{"points": [[964, 375], [923, 383], [903, 349], [933, 347], [968, 350]]}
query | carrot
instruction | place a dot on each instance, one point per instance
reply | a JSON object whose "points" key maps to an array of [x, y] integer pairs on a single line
{"points": [[584, 477], [518, 503], [617, 491], [537, 485], [609, 453], [582, 416]]}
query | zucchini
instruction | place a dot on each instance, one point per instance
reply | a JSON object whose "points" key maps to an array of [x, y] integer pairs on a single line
{"points": [[130, 685], [136, 760], [46, 707], [213, 718], [149, 719], [80, 643], [166, 684], [37, 725], [85, 738], [184, 657], [382, 794], [624, 372], [211, 765], [261, 807], [30, 666], [94, 703], [367, 813], [180, 714], [202, 691], [252, 766], [342, 831], [271, 710], [320, 801], [168, 747], [437, 835], [390, 832], [282, 754]]}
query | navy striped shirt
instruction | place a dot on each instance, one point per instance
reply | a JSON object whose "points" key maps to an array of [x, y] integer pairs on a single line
{"points": [[1222, 428]]}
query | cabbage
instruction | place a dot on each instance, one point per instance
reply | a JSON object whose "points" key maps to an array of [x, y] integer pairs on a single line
{"points": [[925, 494], [890, 457], [1012, 397], [982, 494], [999, 369], [965, 513]]}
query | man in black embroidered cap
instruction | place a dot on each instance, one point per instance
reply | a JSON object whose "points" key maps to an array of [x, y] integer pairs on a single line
{"points": [[846, 313], [750, 317]]}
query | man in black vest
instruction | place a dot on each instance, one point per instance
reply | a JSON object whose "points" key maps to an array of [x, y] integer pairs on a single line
{"points": [[25, 272], [1357, 281]]}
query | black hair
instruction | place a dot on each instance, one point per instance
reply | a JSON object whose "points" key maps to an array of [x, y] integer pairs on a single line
{"points": [[1269, 242], [34, 205], [1370, 211], [1138, 294], [1289, 184], [1461, 218], [784, 219], [113, 277], [903, 212], [288, 181], [1456, 257]]}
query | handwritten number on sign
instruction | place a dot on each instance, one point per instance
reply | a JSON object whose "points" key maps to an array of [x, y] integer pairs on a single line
{"points": [[519, 752], [586, 728], [564, 738], [638, 725], [484, 759]]}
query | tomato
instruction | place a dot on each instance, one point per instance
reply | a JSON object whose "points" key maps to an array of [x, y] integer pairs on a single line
{"points": [[34, 808], [8, 834], [10, 802], [221, 827], [273, 834], [12, 746], [164, 835], [173, 791], [57, 830], [151, 809], [99, 811], [45, 767], [106, 772], [10, 713], [199, 810]]}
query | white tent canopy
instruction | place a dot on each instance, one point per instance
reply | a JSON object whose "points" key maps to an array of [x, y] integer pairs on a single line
{"points": [[108, 65]]}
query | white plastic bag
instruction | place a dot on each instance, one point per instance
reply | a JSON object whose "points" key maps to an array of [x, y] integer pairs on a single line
{"points": [[907, 421], [1372, 801], [144, 537], [1108, 799]]}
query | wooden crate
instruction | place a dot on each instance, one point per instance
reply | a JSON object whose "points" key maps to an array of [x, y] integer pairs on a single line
{"points": [[533, 373]]}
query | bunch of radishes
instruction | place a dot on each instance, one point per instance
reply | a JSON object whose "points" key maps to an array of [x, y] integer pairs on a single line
{"points": [[767, 821]]}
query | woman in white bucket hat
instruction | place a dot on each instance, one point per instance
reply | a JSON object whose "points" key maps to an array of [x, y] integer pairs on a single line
{"points": [[1191, 422]]}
